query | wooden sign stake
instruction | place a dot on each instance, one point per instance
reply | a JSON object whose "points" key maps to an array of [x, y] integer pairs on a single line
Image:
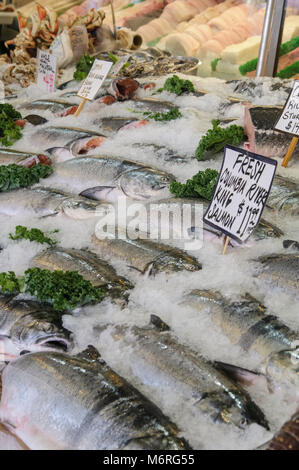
{"points": [[80, 107], [290, 151], [226, 242]]}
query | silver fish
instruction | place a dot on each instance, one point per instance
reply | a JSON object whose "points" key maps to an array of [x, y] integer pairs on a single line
{"points": [[284, 196], [9, 156], [45, 202], [106, 178], [110, 126], [280, 271], [247, 324], [152, 104], [31, 326], [79, 403], [92, 268], [159, 360], [146, 256], [52, 105], [50, 136]]}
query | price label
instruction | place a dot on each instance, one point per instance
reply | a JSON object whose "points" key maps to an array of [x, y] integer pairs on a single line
{"points": [[289, 119], [119, 64], [46, 71], [241, 193], [94, 79]]}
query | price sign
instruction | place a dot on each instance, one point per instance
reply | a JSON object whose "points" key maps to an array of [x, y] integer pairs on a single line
{"points": [[241, 193], [289, 119], [94, 79], [46, 71]]}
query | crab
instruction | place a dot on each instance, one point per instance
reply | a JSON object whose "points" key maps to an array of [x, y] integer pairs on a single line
{"points": [[38, 30]]}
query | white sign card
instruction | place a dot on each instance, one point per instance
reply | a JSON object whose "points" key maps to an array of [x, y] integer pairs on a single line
{"points": [[289, 119], [241, 192], [119, 64], [46, 71], [94, 79]]}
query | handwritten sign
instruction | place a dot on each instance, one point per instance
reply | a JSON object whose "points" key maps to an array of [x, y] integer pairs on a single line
{"points": [[289, 119], [241, 192], [46, 71], [94, 79], [119, 64]]}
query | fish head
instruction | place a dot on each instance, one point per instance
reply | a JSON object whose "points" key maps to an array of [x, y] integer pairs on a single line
{"points": [[81, 210], [60, 154], [174, 263], [41, 331], [266, 229], [145, 183]]}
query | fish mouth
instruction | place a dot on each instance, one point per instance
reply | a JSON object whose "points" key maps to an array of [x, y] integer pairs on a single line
{"points": [[56, 343]]}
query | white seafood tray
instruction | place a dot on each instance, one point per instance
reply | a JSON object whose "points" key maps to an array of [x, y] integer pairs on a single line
{"points": [[7, 17]]}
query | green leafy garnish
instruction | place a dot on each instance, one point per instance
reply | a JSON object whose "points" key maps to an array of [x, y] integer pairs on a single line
{"points": [[174, 113], [178, 86], [289, 71], [9, 283], [249, 66], [214, 64], [83, 67], [285, 48], [15, 176], [34, 235], [113, 57], [200, 185], [63, 289], [217, 138], [9, 132]]}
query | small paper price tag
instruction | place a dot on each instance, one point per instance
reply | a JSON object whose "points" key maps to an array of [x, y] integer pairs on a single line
{"points": [[119, 64], [241, 192], [46, 71], [289, 119], [94, 79]]}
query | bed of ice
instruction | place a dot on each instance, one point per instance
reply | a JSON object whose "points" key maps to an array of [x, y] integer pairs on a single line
{"points": [[232, 274]]}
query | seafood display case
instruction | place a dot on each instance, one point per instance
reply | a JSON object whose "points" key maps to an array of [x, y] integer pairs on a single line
{"points": [[126, 321]]}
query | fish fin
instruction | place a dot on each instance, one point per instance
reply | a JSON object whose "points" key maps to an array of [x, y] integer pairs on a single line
{"points": [[49, 215], [101, 193], [243, 376], [149, 271], [90, 353], [135, 269], [158, 323]]}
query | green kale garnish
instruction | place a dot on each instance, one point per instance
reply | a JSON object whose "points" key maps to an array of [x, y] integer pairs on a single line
{"points": [[34, 235], [200, 185], [174, 113], [15, 176], [217, 138], [9, 283], [289, 71], [214, 64], [83, 67], [9, 132], [63, 289], [178, 86]]}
